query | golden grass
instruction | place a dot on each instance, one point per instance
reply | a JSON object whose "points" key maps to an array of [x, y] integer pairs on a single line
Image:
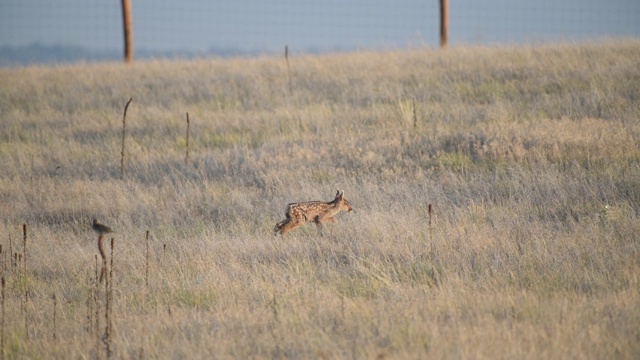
{"points": [[529, 155]]}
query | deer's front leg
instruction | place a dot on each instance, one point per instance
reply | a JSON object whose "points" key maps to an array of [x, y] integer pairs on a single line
{"points": [[319, 226], [326, 219]]}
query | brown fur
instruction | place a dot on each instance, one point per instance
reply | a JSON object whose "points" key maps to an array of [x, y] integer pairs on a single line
{"points": [[312, 211]]}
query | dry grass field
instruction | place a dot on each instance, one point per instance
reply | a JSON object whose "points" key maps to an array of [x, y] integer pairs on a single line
{"points": [[530, 157]]}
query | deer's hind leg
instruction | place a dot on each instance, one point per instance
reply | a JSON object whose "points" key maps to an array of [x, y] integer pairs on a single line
{"points": [[290, 224], [280, 225]]}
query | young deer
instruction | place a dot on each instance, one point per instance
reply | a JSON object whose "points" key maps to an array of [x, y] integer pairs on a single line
{"points": [[317, 211]]}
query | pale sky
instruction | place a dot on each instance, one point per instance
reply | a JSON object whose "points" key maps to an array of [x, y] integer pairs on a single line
{"points": [[199, 25]]}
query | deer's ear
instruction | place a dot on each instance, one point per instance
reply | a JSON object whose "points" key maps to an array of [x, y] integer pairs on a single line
{"points": [[339, 194]]}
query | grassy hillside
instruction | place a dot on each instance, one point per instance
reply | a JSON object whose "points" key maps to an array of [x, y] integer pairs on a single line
{"points": [[530, 157]]}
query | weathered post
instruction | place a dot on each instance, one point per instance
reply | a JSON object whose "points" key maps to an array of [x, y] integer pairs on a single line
{"points": [[444, 23], [127, 22]]}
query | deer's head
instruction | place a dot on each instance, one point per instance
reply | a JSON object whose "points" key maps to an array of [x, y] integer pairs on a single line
{"points": [[343, 203]]}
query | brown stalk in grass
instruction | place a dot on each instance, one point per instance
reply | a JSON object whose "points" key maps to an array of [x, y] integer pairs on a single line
{"points": [[164, 252], [96, 333], [286, 57], [186, 158], [101, 229], [431, 229], [146, 271], [26, 314], [11, 252], [108, 292], [103, 254], [124, 124], [415, 115], [274, 307], [2, 324], [104, 275], [24, 246], [55, 305], [111, 264]]}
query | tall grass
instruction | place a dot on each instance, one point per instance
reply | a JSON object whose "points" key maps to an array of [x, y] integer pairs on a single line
{"points": [[496, 196]]}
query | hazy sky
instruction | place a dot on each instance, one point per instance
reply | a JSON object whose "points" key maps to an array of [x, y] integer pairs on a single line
{"points": [[199, 25]]}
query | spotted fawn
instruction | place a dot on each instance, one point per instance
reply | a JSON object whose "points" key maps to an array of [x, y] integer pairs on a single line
{"points": [[312, 211]]}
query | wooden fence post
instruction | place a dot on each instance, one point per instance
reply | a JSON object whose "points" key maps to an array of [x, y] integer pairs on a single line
{"points": [[127, 22], [444, 23]]}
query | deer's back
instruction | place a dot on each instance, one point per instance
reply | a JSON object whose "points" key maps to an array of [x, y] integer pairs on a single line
{"points": [[308, 210]]}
